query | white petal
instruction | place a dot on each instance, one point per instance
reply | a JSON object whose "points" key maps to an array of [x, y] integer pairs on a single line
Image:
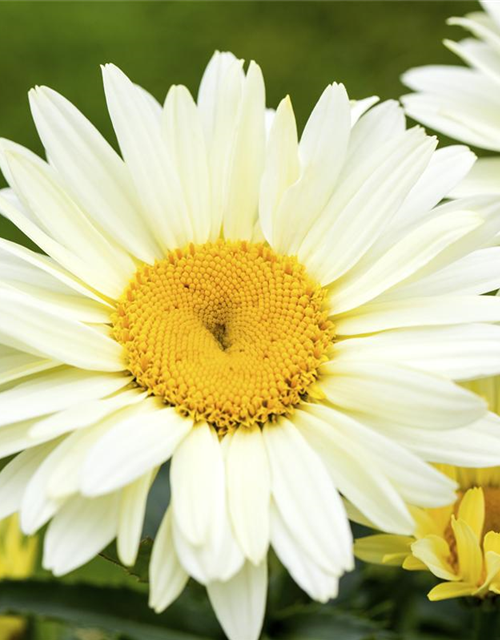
{"points": [[134, 446], [197, 479], [322, 150], [249, 491], [246, 160], [92, 170], [306, 498], [431, 311], [360, 107], [402, 259], [55, 390], [62, 339], [39, 187], [365, 201], [356, 473], [51, 267], [484, 177], [15, 364], [317, 583], [166, 574], [139, 134], [412, 398], [81, 530], [16, 475], [186, 144], [281, 165], [446, 169], [219, 101], [462, 352], [82, 415], [240, 603], [477, 445], [131, 517]]}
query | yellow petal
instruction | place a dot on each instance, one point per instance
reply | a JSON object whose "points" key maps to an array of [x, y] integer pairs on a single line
{"points": [[428, 521], [414, 564], [434, 552], [491, 542], [470, 557], [383, 549], [471, 510], [493, 569], [447, 590]]}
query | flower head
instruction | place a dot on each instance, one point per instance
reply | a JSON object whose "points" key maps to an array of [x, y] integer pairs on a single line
{"points": [[284, 319]]}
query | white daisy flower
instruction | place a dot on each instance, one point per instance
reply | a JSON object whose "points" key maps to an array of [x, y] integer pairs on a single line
{"points": [[285, 320], [464, 103]]}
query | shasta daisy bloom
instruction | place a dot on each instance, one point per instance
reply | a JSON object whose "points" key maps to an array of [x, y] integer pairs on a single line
{"points": [[285, 320], [464, 103], [460, 543]]}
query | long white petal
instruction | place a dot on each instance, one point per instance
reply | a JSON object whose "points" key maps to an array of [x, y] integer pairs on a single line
{"points": [[462, 352], [94, 173], [131, 448], [307, 499], [249, 491], [240, 603], [322, 150], [59, 338], [315, 581], [197, 479], [140, 136], [55, 390], [411, 397], [424, 311], [131, 517], [166, 574], [81, 530]]}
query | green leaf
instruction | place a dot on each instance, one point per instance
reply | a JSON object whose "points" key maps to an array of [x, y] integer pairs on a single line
{"points": [[117, 610]]}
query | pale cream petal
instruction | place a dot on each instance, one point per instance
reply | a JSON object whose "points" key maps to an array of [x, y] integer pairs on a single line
{"points": [[417, 399], [239, 603], [55, 390], [249, 491], [92, 171], [186, 145], [61, 339], [81, 530], [137, 444], [197, 480], [131, 514], [166, 574], [140, 137], [307, 499]]}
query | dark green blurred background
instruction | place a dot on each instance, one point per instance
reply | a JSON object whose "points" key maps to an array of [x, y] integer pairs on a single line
{"points": [[301, 46]]}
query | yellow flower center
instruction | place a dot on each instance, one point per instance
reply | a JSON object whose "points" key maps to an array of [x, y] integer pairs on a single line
{"points": [[228, 332]]}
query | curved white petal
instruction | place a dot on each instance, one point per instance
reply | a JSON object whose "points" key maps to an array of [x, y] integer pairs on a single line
{"points": [[312, 578], [410, 397], [62, 339], [166, 574], [307, 499], [239, 603], [94, 173], [81, 530], [249, 491], [132, 447], [131, 517]]}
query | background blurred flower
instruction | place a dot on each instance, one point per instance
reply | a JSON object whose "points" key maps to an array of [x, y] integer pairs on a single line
{"points": [[460, 543], [465, 103]]}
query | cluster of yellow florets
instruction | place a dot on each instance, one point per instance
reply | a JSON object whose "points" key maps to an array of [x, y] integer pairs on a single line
{"points": [[227, 332]]}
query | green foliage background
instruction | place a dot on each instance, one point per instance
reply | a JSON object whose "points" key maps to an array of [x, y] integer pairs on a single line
{"points": [[301, 47]]}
